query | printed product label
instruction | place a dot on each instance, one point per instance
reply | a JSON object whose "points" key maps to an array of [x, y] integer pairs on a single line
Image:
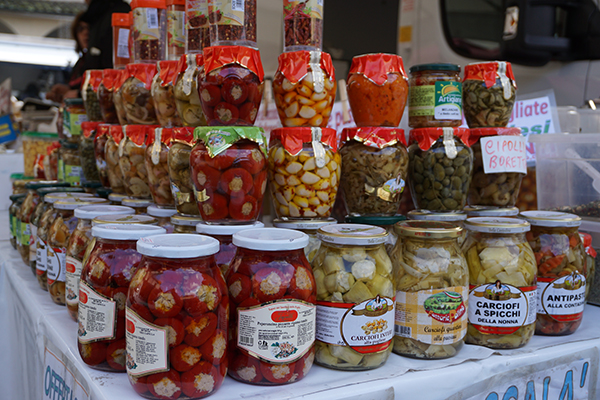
{"points": [[176, 28], [55, 263], [307, 8], [443, 101], [72, 277], [147, 346], [366, 327], [75, 125], [97, 315], [41, 256], [280, 332], [197, 13], [32, 243], [145, 23], [123, 43], [226, 12], [73, 174], [25, 234], [501, 309], [562, 298], [435, 316]]}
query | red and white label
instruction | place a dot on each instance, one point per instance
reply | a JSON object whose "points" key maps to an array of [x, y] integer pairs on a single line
{"points": [[56, 264], [32, 242], [72, 276], [504, 154], [562, 298], [41, 256], [147, 346], [97, 315]]}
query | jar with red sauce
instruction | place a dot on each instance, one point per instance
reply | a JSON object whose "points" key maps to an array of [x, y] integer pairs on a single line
{"points": [[270, 281], [111, 156], [100, 139], [231, 87], [377, 89], [229, 171], [163, 215], [304, 88], [182, 187], [178, 312], [162, 93], [105, 96], [157, 167]]}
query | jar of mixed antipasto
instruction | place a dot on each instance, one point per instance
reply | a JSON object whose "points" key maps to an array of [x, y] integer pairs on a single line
{"points": [[440, 168], [78, 248], [121, 77], [561, 271], [111, 155], [178, 160], [187, 97], [157, 167], [377, 89], [303, 25], [457, 217], [184, 224], [149, 31], [132, 151], [175, 29], [231, 23], [100, 139], [304, 172], [310, 228], [86, 152], [196, 26], [163, 93], [353, 272], [136, 94], [374, 170], [229, 171], [89, 92], [304, 88], [502, 282], [139, 205], [432, 279], [273, 294], [163, 215], [105, 96], [177, 317], [105, 278]]}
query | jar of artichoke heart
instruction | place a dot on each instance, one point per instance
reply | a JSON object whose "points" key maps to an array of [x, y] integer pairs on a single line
{"points": [[502, 282], [431, 277], [355, 297]]}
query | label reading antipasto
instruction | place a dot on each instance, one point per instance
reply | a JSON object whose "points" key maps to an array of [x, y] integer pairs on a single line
{"points": [[562, 298]]}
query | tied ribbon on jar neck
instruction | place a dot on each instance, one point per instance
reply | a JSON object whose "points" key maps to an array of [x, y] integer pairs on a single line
{"points": [[488, 73], [294, 66], [219, 139], [379, 137], [89, 128], [449, 146], [425, 137], [376, 67], [220, 56], [190, 72], [477, 133], [317, 73], [184, 134], [167, 72], [292, 141], [156, 146]]}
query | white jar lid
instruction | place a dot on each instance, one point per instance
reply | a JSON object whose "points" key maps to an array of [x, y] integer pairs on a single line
{"points": [[126, 231], [426, 215], [118, 197], [497, 225], [181, 245], [309, 225], [160, 212], [124, 219], [491, 211], [56, 196], [352, 234], [91, 212], [270, 239], [225, 230], [551, 218], [182, 220], [130, 202], [74, 203]]}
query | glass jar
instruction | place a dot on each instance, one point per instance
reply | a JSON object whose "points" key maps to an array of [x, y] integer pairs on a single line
{"points": [[231, 86], [163, 215], [78, 249], [127, 219], [51, 161], [304, 88], [156, 161], [386, 222], [122, 76], [139, 205], [105, 278], [24, 215], [116, 199], [35, 143], [197, 30], [121, 25], [353, 272], [230, 25], [105, 96], [224, 234], [308, 227], [132, 150], [187, 98], [591, 254], [73, 115], [175, 29], [273, 294], [374, 170], [92, 188], [183, 224], [494, 184], [111, 156], [163, 96], [178, 160], [149, 31], [490, 211], [228, 168], [489, 92], [86, 152], [561, 271], [177, 306], [458, 218], [440, 168], [432, 279], [69, 163], [303, 25], [424, 108], [89, 92], [100, 139], [136, 93], [18, 184], [304, 172], [502, 281], [377, 89], [13, 212]]}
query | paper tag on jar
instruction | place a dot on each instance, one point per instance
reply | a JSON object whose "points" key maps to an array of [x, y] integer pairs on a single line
{"points": [[562, 298], [504, 154], [55, 264], [97, 315], [72, 276], [147, 346]]}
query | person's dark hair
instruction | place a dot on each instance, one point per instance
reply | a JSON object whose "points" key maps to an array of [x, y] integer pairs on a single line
{"points": [[77, 22]]}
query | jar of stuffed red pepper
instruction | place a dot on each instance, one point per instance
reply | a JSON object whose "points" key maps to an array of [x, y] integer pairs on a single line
{"points": [[89, 92], [105, 96], [136, 94], [304, 88], [132, 151], [125, 219], [78, 249], [196, 26], [86, 152], [121, 77], [157, 167], [177, 318], [105, 279], [377, 89], [163, 95], [178, 160], [232, 85], [187, 98], [149, 30], [184, 224], [111, 156], [228, 167], [303, 25], [232, 23], [224, 234], [273, 294], [163, 215], [102, 134], [561, 271], [175, 29]]}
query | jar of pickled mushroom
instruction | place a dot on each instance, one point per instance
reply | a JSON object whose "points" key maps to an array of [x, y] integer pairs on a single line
{"points": [[105, 279], [457, 217], [386, 222], [102, 134], [224, 234], [231, 23], [105, 96], [178, 160], [78, 249], [561, 271], [489, 92], [353, 272], [139, 205], [149, 31], [502, 282], [86, 152], [308, 227], [374, 170], [377, 89], [432, 279], [125, 219], [304, 88], [440, 168], [69, 163], [157, 166], [229, 171], [273, 294], [163, 215], [196, 26], [499, 165], [89, 92], [121, 77], [111, 155], [13, 212], [187, 97], [490, 211], [132, 151], [136, 95], [231, 87], [175, 29], [303, 25], [435, 96], [184, 224], [304, 172], [163, 93]]}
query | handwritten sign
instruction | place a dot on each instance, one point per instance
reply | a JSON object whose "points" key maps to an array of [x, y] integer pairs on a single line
{"points": [[504, 154]]}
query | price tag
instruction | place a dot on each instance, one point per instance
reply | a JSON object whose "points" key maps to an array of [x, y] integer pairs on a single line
{"points": [[504, 154], [123, 43]]}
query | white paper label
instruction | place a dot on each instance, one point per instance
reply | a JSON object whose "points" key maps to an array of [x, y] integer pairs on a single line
{"points": [[32, 242], [96, 315], [152, 18], [562, 298], [41, 256], [147, 346], [72, 276], [237, 5], [280, 332], [123, 43], [55, 263], [504, 154]]}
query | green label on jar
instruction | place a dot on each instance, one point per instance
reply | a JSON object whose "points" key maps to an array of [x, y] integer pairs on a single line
{"points": [[443, 101], [12, 226], [61, 170], [73, 174], [25, 234]]}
